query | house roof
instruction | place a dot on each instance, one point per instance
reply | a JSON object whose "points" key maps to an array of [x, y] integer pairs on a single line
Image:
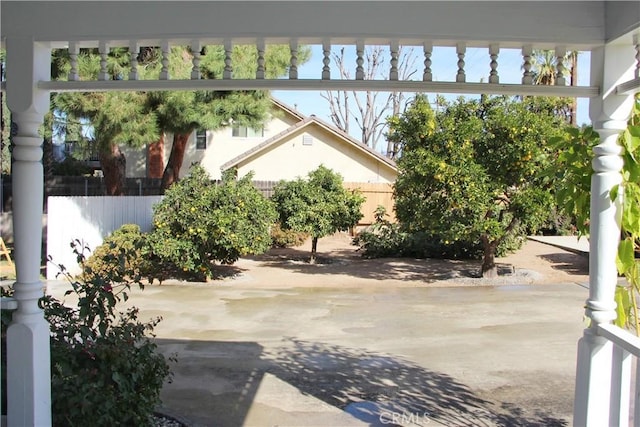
{"points": [[289, 109], [305, 122]]}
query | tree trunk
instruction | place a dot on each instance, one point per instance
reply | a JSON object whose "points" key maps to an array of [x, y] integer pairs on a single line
{"points": [[155, 158], [314, 250], [574, 82], [114, 167], [489, 268], [172, 170]]}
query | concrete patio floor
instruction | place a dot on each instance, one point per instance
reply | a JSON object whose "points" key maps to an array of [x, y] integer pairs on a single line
{"points": [[469, 356]]}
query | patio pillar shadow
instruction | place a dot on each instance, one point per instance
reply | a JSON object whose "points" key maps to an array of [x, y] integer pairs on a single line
{"points": [[382, 389], [216, 382]]}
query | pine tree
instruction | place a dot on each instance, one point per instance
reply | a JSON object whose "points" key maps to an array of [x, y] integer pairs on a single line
{"points": [[181, 113], [136, 119], [116, 118]]}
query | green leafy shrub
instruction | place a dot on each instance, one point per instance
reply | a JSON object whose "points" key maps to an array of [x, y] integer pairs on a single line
{"points": [[72, 167], [572, 174], [285, 238], [125, 252], [104, 366], [199, 222], [628, 257], [385, 239], [381, 241], [382, 238]]}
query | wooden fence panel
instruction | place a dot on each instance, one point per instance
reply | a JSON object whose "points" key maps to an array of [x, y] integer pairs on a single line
{"points": [[265, 187], [377, 194]]}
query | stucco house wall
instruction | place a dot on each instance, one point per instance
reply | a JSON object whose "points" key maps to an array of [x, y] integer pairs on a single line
{"points": [[309, 147], [221, 145], [291, 146]]}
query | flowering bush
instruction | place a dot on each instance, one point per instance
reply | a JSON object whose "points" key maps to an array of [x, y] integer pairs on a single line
{"points": [[104, 366]]}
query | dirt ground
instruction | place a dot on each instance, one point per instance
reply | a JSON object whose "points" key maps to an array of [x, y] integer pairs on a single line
{"points": [[7, 271], [340, 264]]}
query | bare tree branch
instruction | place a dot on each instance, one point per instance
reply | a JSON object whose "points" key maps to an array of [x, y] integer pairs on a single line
{"points": [[369, 109]]}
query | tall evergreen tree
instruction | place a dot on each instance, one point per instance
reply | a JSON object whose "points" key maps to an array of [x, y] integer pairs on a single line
{"points": [[181, 113], [116, 118], [136, 119]]}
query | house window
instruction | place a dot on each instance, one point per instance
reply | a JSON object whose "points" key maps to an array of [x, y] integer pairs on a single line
{"points": [[201, 139], [247, 132]]}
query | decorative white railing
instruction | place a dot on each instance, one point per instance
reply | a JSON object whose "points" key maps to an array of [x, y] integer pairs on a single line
{"points": [[327, 79], [626, 345]]}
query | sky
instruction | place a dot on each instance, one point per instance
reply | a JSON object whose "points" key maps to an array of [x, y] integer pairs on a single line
{"points": [[444, 68]]}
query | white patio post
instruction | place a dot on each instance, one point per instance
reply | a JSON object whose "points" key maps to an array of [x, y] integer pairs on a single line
{"points": [[28, 358], [610, 66]]}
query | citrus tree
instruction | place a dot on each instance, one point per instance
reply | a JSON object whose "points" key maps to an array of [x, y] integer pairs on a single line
{"points": [[468, 173], [199, 222], [318, 205]]}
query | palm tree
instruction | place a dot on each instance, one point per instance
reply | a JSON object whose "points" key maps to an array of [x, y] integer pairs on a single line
{"points": [[573, 59], [544, 68]]}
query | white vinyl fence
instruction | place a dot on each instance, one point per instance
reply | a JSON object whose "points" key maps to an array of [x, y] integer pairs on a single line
{"points": [[90, 220]]}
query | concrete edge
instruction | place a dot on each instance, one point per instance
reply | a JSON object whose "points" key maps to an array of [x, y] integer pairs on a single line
{"points": [[567, 243]]}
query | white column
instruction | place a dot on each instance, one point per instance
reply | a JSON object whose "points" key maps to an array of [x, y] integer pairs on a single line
{"points": [[527, 75], [494, 51], [28, 360], [610, 65], [196, 48], [103, 50], [134, 50]]}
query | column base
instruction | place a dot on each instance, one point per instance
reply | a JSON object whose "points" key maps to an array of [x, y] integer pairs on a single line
{"points": [[28, 373], [593, 381]]}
